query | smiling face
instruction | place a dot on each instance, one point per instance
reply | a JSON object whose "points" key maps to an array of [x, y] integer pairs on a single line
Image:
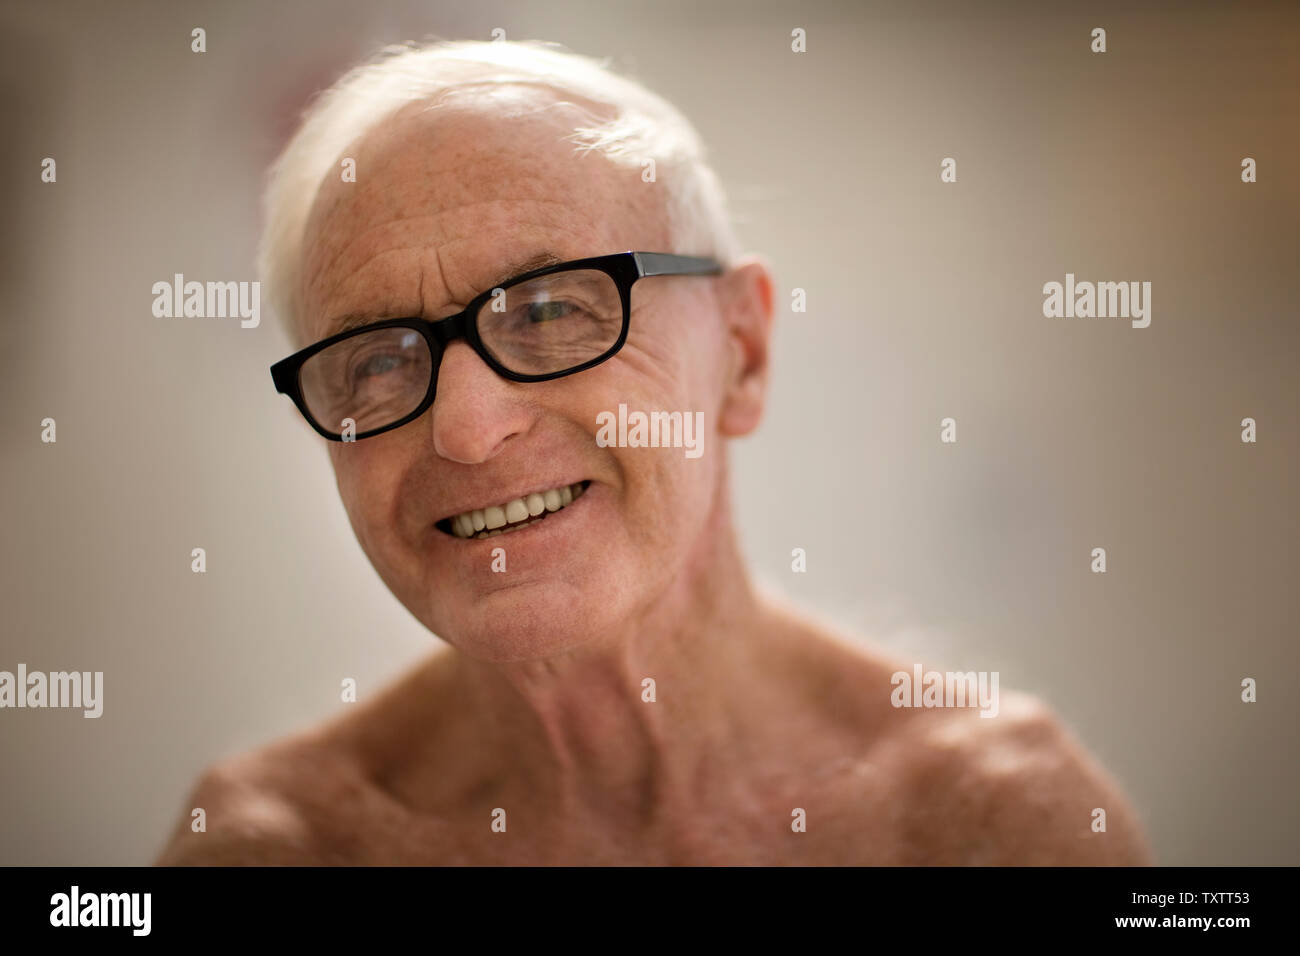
{"points": [[446, 202]]}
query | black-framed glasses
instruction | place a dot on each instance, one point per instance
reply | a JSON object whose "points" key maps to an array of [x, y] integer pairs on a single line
{"points": [[540, 325]]}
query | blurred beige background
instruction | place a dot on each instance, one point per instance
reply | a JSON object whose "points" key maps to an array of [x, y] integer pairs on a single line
{"points": [[924, 301]]}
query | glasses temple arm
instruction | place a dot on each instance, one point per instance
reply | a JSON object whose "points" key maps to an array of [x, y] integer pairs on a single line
{"points": [[666, 264]]}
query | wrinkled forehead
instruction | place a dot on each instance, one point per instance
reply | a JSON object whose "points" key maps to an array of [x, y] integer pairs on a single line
{"points": [[475, 182]]}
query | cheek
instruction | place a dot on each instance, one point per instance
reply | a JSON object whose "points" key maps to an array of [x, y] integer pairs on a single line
{"points": [[679, 366], [690, 352], [367, 479], [669, 495], [675, 364], [668, 510]]}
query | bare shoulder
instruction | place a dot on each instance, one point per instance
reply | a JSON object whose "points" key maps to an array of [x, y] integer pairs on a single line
{"points": [[945, 785], [308, 799], [279, 805], [1016, 789], [233, 816]]}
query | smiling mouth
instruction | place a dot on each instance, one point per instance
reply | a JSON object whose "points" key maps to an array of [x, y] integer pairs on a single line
{"points": [[513, 515]]}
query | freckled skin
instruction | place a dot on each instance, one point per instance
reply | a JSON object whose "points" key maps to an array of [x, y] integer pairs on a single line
{"points": [[537, 706]]}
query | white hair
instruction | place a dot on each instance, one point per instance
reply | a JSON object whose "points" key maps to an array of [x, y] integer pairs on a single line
{"points": [[639, 125]]}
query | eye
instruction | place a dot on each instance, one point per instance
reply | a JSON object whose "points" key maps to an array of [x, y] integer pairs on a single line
{"points": [[376, 364], [538, 312], [380, 364]]}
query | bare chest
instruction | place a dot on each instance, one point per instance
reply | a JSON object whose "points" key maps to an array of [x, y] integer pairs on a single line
{"points": [[848, 814]]}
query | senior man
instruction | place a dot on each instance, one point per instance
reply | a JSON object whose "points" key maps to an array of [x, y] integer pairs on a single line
{"points": [[484, 250]]}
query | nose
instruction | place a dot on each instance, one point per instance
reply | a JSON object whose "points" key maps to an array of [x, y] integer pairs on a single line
{"points": [[475, 411]]}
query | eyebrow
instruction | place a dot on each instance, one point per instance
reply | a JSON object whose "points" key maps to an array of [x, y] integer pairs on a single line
{"points": [[518, 267]]}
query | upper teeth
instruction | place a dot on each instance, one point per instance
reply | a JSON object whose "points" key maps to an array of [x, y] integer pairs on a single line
{"points": [[485, 522]]}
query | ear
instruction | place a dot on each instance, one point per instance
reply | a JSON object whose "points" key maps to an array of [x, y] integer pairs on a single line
{"points": [[746, 299]]}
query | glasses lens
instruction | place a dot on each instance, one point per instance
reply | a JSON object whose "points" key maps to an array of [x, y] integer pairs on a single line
{"points": [[552, 323], [374, 378]]}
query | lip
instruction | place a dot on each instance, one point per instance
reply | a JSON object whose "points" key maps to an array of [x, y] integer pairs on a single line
{"points": [[442, 525]]}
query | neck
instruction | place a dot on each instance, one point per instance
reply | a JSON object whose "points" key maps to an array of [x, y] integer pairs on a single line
{"points": [[581, 732]]}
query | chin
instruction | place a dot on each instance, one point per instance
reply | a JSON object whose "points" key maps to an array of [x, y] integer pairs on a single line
{"points": [[528, 621]]}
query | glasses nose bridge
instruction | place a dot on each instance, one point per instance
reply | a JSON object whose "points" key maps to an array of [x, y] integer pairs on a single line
{"points": [[445, 331], [448, 330]]}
